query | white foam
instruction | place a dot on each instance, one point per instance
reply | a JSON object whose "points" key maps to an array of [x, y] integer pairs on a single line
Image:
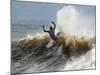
{"points": [[86, 61], [30, 36]]}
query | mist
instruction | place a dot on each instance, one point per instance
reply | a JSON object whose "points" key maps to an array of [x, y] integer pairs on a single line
{"points": [[70, 20]]}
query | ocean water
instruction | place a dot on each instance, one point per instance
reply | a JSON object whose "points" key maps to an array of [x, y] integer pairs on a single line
{"points": [[19, 31], [32, 56]]}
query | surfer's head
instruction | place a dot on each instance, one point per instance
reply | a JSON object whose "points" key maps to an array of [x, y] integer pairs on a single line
{"points": [[51, 28]]}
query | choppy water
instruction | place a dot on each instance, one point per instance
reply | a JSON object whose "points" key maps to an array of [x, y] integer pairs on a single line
{"points": [[41, 59]]}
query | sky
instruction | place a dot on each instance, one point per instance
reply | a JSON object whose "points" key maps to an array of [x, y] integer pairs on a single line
{"points": [[29, 12]]}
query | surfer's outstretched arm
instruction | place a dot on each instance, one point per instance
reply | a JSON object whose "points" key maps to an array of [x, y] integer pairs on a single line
{"points": [[53, 24], [44, 29]]}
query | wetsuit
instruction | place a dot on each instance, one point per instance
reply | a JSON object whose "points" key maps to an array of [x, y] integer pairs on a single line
{"points": [[51, 32]]}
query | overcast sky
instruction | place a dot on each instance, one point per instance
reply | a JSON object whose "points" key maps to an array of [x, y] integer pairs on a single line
{"points": [[30, 12]]}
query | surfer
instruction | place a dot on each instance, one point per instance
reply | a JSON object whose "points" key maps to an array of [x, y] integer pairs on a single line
{"points": [[51, 31]]}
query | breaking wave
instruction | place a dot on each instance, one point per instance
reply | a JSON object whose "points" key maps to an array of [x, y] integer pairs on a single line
{"points": [[33, 54]]}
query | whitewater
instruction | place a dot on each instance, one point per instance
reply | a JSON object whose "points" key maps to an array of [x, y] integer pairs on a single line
{"points": [[29, 59]]}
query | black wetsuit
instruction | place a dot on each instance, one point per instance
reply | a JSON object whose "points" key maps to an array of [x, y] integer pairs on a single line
{"points": [[52, 35], [51, 32]]}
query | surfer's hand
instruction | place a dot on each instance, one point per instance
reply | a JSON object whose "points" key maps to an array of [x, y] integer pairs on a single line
{"points": [[52, 22], [43, 26]]}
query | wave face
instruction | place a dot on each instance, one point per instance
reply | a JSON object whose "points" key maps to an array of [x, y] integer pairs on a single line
{"points": [[83, 62], [32, 54]]}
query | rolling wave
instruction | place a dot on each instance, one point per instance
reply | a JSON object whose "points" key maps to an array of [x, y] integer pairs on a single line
{"points": [[31, 54]]}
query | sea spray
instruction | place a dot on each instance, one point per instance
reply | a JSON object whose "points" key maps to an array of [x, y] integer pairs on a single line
{"points": [[71, 20]]}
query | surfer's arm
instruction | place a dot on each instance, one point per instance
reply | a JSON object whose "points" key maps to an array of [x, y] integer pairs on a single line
{"points": [[44, 29], [53, 24]]}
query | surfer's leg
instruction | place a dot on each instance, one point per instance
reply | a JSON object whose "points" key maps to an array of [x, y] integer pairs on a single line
{"points": [[54, 44]]}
